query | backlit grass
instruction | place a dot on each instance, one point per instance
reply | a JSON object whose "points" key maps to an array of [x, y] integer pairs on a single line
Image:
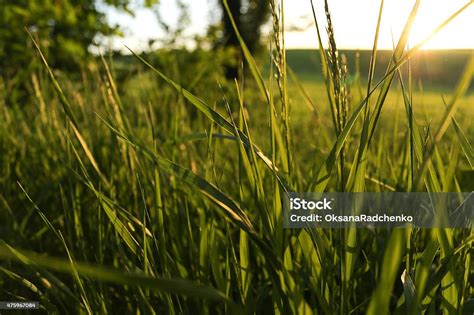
{"points": [[149, 196]]}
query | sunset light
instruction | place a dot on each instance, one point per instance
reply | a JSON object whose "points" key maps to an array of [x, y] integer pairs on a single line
{"points": [[354, 23]]}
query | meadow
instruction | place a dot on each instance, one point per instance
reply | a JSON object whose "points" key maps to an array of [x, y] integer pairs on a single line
{"points": [[155, 186]]}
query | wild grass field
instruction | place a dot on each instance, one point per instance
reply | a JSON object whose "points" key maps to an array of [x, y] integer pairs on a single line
{"points": [[157, 187]]}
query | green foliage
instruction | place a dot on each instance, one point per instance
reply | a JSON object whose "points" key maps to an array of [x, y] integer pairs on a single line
{"points": [[67, 29]]}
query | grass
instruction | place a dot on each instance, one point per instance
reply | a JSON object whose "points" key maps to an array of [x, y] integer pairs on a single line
{"points": [[156, 195]]}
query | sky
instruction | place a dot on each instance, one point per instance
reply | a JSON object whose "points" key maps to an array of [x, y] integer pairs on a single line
{"points": [[354, 23]]}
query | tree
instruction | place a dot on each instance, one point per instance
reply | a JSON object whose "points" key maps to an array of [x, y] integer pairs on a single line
{"points": [[66, 29], [249, 16]]}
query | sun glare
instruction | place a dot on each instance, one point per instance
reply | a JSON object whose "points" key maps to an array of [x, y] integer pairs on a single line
{"points": [[457, 34], [354, 23]]}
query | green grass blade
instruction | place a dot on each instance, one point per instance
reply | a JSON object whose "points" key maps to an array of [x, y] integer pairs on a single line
{"points": [[380, 301], [465, 145], [230, 209], [248, 56], [215, 117], [461, 88], [100, 273], [68, 110]]}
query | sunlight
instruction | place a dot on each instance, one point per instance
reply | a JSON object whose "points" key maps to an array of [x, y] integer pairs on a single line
{"points": [[354, 23], [457, 34]]}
